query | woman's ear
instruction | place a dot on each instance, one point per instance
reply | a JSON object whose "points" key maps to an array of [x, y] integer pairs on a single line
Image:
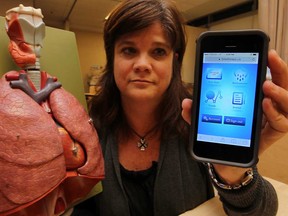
{"points": [[176, 55]]}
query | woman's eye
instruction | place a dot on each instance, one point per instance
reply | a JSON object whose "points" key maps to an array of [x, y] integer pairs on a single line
{"points": [[160, 52], [128, 51]]}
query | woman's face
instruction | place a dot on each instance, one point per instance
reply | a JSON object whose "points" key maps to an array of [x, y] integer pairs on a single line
{"points": [[143, 64]]}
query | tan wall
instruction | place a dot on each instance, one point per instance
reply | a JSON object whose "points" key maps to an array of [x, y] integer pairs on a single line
{"points": [[189, 58], [91, 54], [241, 22], [274, 162]]}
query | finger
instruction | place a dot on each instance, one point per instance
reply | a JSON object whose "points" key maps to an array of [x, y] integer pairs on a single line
{"points": [[186, 110], [278, 68], [276, 119], [277, 94]]}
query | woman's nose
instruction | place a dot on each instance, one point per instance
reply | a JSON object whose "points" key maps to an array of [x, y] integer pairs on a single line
{"points": [[142, 63]]}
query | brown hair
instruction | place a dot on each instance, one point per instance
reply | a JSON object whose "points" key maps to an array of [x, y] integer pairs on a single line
{"points": [[131, 16]]}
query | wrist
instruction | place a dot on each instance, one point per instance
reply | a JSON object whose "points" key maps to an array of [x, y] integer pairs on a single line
{"points": [[240, 178], [229, 174]]}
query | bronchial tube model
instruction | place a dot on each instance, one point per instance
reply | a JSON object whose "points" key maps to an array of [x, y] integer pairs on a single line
{"points": [[50, 154]]}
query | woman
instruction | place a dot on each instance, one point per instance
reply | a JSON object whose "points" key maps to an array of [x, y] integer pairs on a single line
{"points": [[143, 135]]}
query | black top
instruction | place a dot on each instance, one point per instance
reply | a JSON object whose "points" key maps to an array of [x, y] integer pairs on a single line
{"points": [[181, 184], [139, 186]]}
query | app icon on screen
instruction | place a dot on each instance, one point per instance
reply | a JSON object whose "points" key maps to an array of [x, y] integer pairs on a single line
{"points": [[214, 73], [212, 96], [240, 76], [238, 98]]}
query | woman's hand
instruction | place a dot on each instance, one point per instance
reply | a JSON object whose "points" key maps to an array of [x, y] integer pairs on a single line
{"points": [[275, 103], [275, 109], [186, 110]]}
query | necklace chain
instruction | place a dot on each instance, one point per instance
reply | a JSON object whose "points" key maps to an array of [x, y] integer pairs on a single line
{"points": [[142, 143]]}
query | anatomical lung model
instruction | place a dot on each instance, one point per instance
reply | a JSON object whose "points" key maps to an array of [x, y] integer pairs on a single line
{"points": [[50, 154]]}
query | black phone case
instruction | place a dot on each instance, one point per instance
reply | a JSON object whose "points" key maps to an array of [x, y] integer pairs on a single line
{"points": [[258, 117]]}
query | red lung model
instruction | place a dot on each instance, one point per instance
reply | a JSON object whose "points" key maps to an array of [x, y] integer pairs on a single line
{"points": [[50, 155]]}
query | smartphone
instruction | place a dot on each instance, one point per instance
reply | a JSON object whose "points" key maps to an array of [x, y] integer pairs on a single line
{"points": [[226, 119]]}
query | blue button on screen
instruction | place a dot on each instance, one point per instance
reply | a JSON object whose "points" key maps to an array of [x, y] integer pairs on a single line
{"points": [[212, 118], [234, 120]]}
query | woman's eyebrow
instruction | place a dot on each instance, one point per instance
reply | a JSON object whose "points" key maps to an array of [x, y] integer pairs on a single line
{"points": [[125, 43], [162, 44]]}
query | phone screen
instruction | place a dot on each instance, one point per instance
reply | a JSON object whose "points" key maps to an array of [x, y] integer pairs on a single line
{"points": [[227, 98]]}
